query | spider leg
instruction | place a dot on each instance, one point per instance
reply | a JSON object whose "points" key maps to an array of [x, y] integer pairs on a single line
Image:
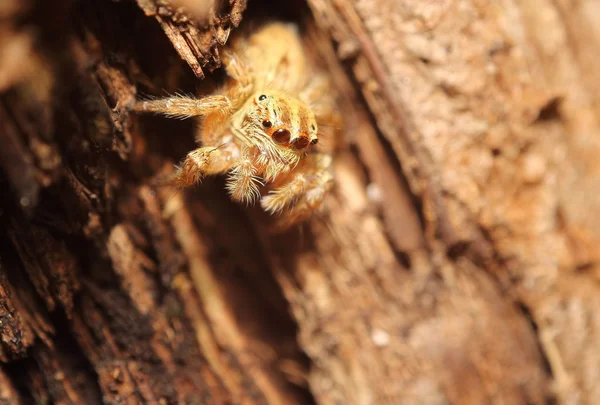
{"points": [[319, 96], [305, 206], [301, 193], [184, 107], [317, 89], [287, 194], [236, 68], [199, 163], [240, 73]]}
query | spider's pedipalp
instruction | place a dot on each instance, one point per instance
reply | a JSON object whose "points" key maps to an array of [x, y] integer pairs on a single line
{"points": [[243, 182]]}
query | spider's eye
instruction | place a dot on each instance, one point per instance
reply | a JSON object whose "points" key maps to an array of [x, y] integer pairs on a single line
{"points": [[261, 97], [300, 143], [313, 127], [281, 136], [267, 124]]}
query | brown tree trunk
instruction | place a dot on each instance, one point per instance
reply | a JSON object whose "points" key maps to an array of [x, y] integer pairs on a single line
{"points": [[455, 262]]}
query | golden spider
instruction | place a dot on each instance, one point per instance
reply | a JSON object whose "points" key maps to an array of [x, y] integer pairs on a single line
{"points": [[262, 126]]}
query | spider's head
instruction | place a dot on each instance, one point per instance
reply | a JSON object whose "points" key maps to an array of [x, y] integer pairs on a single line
{"points": [[288, 122]]}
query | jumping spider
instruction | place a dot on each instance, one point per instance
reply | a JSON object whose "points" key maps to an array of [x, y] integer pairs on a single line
{"points": [[262, 126]]}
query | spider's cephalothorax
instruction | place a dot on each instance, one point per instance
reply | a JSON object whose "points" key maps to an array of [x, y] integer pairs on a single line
{"points": [[281, 127], [262, 126]]}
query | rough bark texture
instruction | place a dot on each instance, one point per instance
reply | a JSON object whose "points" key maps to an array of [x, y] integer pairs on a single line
{"points": [[455, 263]]}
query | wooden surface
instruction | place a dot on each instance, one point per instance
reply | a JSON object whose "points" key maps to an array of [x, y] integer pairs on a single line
{"points": [[455, 262]]}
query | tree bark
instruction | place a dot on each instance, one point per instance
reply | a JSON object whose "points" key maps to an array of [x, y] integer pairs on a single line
{"points": [[454, 263]]}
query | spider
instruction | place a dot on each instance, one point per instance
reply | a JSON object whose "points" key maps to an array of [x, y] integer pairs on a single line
{"points": [[262, 126]]}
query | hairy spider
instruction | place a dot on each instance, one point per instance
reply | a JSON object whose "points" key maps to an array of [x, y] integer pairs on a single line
{"points": [[262, 126]]}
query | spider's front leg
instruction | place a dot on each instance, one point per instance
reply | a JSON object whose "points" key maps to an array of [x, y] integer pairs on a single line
{"points": [[319, 96], [302, 192], [201, 162], [185, 107], [178, 106]]}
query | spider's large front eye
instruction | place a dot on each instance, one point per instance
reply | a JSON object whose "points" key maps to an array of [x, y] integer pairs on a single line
{"points": [[300, 143], [281, 136], [261, 97]]}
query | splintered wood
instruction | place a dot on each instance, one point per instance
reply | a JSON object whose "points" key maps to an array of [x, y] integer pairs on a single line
{"points": [[196, 28]]}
